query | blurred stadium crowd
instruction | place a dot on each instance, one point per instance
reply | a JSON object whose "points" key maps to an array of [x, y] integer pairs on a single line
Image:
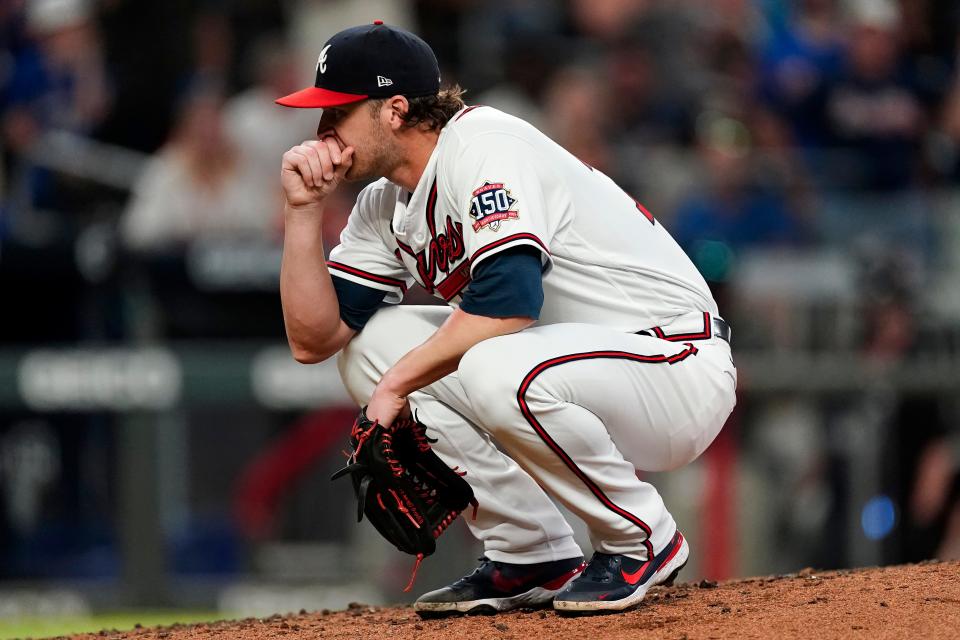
{"points": [[806, 154]]}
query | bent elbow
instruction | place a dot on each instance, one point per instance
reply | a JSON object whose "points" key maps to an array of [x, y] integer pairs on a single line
{"points": [[309, 354], [306, 356], [310, 349], [312, 354]]}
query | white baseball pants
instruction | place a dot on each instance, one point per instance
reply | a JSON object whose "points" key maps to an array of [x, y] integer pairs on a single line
{"points": [[576, 410]]}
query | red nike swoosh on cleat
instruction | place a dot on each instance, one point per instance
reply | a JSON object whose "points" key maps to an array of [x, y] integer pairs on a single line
{"points": [[634, 578]]}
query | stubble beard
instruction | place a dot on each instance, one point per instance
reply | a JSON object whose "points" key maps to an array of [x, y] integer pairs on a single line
{"points": [[379, 160]]}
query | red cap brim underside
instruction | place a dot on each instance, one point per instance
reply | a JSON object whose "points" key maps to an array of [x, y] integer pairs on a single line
{"points": [[317, 98]]}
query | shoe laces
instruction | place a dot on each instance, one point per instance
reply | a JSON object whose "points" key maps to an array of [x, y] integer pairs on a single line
{"points": [[484, 561], [601, 568]]}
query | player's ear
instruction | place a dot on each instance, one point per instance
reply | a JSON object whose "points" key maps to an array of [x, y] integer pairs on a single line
{"points": [[395, 108]]}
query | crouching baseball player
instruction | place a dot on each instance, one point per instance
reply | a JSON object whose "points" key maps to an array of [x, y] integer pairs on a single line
{"points": [[577, 335]]}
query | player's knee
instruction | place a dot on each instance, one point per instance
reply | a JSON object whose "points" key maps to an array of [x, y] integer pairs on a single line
{"points": [[387, 337], [378, 341], [355, 373], [361, 360], [489, 382], [481, 365], [384, 324]]}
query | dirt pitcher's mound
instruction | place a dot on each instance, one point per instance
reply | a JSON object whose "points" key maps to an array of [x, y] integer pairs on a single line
{"points": [[915, 601]]}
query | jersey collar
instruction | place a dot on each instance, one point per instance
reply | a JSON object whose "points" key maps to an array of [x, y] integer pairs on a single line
{"points": [[406, 210]]}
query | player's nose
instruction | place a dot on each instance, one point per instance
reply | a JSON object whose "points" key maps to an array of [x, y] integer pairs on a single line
{"points": [[324, 129], [325, 126]]}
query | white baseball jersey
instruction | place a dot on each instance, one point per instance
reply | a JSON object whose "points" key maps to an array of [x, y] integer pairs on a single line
{"points": [[577, 403], [495, 182]]}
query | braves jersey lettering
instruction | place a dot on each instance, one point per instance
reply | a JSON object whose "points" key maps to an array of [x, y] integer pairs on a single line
{"points": [[444, 250]]}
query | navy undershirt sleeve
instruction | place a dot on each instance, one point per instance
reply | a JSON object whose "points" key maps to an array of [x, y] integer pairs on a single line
{"points": [[507, 284], [357, 302]]}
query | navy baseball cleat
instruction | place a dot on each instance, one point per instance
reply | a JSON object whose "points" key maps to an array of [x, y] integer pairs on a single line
{"points": [[500, 586], [615, 582]]}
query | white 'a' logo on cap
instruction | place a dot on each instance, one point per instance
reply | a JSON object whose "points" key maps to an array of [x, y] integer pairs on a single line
{"points": [[322, 60]]}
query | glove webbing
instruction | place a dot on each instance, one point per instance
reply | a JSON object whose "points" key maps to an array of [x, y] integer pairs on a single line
{"points": [[407, 508]]}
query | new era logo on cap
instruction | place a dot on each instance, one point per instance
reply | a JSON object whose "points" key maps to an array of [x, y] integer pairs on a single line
{"points": [[369, 61]]}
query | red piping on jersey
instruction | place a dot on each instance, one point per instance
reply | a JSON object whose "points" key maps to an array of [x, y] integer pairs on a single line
{"points": [[431, 207], [552, 444], [366, 275], [646, 214], [466, 111], [503, 241], [680, 337], [407, 248]]}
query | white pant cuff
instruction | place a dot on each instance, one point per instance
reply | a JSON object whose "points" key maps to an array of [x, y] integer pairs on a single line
{"points": [[551, 551]]}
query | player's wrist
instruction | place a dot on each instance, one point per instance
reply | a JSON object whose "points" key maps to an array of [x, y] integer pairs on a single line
{"points": [[391, 385], [307, 210]]}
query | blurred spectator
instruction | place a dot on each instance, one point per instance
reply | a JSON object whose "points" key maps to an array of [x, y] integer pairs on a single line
{"points": [[655, 70], [648, 108], [872, 108], [195, 187], [944, 148], [776, 166], [212, 43], [742, 19], [528, 66], [934, 501], [59, 82], [577, 115], [606, 20], [730, 74], [56, 81], [929, 32], [261, 130], [513, 53], [921, 460], [732, 210], [146, 78], [798, 58]]}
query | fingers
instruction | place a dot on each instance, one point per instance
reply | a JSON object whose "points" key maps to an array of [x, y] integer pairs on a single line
{"points": [[305, 162], [333, 146], [322, 154], [320, 161], [312, 170], [315, 160], [346, 161]]}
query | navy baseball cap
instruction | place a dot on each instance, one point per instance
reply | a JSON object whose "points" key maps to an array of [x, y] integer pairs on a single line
{"points": [[369, 61]]}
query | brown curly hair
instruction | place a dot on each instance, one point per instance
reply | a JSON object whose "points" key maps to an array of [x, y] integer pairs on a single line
{"points": [[431, 113]]}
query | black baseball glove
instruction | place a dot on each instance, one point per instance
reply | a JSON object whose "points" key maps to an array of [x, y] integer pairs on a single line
{"points": [[409, 494]]}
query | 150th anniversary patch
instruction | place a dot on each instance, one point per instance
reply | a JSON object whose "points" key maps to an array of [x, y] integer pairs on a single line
{"points": [[491, 205]]}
